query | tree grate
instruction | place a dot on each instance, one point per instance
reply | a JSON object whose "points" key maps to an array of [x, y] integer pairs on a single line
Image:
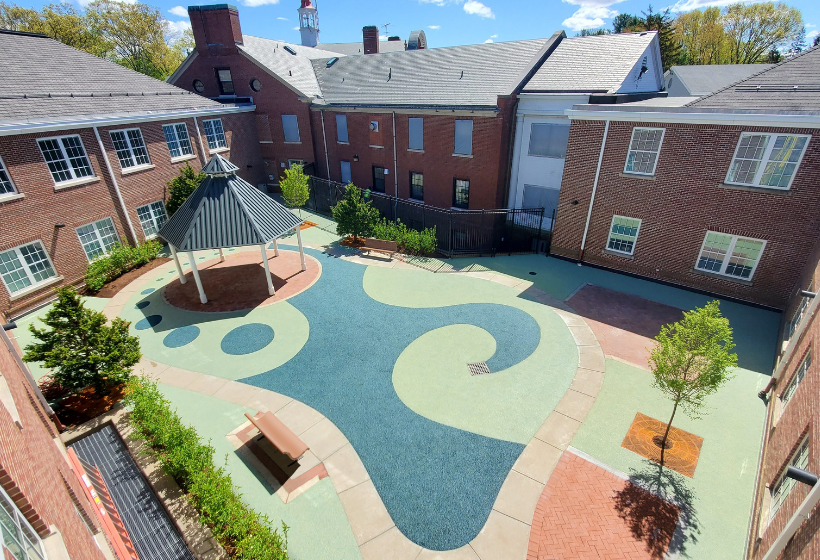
{"points": [[478, 368]]}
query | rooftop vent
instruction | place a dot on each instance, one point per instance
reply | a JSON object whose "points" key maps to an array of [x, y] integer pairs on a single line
{"points": [[394, 38], [290, 50], [332, 61]]}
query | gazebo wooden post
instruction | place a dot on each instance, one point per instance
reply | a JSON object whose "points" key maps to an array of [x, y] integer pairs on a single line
{"points": [[221, 255], [275, 249], [301, 249], [202, 297], [264, 248], [182, 279]]}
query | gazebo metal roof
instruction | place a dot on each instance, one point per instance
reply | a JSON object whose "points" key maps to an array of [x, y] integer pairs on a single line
{"points": [[226, 211]]}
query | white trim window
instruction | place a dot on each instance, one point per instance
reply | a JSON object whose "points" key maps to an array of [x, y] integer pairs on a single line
{"points": [[130, 147], [66, 158], [97, 238], [179, 143], [796, 379], [623, 234], [16, 534], [25, 266], [152, 217], [644, 149], [784, 486], [767, 160], [730, 255], [215, 134], [6, 186]]}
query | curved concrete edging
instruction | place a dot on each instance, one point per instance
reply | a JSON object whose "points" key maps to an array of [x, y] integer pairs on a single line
{"points": [[505, 535]]}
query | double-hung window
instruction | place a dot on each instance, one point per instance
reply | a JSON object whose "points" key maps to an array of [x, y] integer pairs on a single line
{"points": [[805, 301], [730, 255], [341, 128], [415, 140], [463, 138], [25, 266], [784, 485], [644, 148], [97, 238], [66, 158], [623, 233], [179, 143], [130, 147], [797, 378], [6, 186], [16, 534], [290, 125], [461, 193], [767, 160], [416, 186], [215, 134], [152, 217]]}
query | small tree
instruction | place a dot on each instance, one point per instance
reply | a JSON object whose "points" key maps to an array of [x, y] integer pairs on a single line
{"points": [[692, 360], [354, 216], [295, 187], [80, 348], [181, 187]]}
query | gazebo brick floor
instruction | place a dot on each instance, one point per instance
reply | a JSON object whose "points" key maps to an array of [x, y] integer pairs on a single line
{"points": [[239, 282]]}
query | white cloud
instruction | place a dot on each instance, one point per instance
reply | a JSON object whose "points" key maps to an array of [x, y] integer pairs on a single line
{"points": [[280, 18], [178, 11], [474, 7], [811, 35], [257, 3], [490, 40], [434, 26], [589, 17], [382, 37], [296, 28], [177, 28]]}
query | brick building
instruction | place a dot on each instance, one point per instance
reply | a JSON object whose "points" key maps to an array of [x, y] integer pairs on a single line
{"points": [[717, 194], [87, 148]]}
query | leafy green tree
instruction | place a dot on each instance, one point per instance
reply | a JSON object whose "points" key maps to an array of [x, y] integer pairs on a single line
{"points": [[701, 37], [354, 216], [663, 23], [295, 187], [816, 41], [625, 23], [692, 360], [753, 30], [774, 56], [799, 44], [80, 348], [181, 187], [590, 32]]}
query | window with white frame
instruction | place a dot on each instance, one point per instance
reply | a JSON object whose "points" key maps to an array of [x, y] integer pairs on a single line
{"points": [[784, 485], [215, 134], [805, 301], [130, 148], [290, 125], [152, 217], [179, 143], [730, 255], [796, 379], [16, 534], [644, 148], [97, 238], [767, 160], [25, 266], [623, 233], [6, 186], [66, 158]]}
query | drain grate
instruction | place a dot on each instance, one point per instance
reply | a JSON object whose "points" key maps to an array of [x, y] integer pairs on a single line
{"points": [[478, 368]]}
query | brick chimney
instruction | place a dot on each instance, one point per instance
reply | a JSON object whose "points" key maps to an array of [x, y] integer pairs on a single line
{"points": [[216, 28], [370, 36]]}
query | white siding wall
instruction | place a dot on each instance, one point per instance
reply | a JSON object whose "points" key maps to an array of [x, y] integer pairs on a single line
{"points": [[652, 79]]}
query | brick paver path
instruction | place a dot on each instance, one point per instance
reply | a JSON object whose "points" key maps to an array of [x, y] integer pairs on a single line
{"points": [[588, 513]]}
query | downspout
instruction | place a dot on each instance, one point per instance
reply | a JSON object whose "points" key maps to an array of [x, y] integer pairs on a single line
{"points": [[116, 188], [592, 198], [510, 155], [395, 168], [324, 138], [201, 145]]}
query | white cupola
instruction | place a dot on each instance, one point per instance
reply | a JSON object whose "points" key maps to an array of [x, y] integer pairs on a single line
{"points": [[309, 24]]}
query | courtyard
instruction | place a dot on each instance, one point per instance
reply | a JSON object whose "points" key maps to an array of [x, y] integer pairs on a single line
{"points": [[474, 408]]}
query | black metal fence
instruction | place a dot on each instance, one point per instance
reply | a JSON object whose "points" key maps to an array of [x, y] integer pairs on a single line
{"points": [[458, 232]]}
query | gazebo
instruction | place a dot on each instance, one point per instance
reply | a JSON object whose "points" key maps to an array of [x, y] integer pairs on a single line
{"points": [[226, 211]]}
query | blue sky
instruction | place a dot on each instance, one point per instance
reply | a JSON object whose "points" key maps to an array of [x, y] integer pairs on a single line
{"points": [[446, 22]]}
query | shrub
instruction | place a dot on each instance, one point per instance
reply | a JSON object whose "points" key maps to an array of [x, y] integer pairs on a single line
{"points": [[244, 533], [353, 215], [295, 187], [118, 261], [410, 241], [181, 187]]}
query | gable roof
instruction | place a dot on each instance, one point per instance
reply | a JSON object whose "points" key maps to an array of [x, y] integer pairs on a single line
{"points": [[792, 85], [703, 79], [293, 69], [594, 64], [464, 76], [44, 79]]}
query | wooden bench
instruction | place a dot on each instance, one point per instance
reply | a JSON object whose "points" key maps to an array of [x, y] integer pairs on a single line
{"points": [[389, 248], [279, 435]]}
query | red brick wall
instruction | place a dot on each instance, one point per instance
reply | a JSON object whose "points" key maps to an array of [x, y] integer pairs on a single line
{"points": [[33, 470], [682, 202]]}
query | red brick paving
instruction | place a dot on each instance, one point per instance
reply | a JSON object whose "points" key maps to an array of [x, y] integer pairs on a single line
{"points": [[578, 517]]}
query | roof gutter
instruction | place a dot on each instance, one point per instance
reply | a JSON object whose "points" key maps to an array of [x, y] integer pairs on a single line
{"points": [[719, 118], [493, 108]]}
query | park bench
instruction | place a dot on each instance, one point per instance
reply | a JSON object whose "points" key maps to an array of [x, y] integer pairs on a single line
{"points": [[279, 435], [371, 244]]}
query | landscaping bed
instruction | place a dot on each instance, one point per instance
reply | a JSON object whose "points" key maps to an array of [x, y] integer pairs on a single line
{"points": [[110, 289]]}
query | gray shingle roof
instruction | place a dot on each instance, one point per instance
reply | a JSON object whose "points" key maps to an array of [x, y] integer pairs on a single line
{"points": [[35, 67], [792, 85], [465, 76], [225, 211], [703, 79], [296, 69], [351, 49], [596, 63]]}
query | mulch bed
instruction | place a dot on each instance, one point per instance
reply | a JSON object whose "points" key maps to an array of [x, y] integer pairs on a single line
{"points": [[85, 405], [112, 288], [306, 224], [683, 454], [355, 242]]}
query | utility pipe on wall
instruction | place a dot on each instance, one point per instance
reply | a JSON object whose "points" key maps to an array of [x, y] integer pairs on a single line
{"points": [[116, 187], [324, 139], [395, 169], [594, 189], [203, 157]]}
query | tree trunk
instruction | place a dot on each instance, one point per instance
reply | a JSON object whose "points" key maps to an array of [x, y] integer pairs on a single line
{"points": [[666, 433]]}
